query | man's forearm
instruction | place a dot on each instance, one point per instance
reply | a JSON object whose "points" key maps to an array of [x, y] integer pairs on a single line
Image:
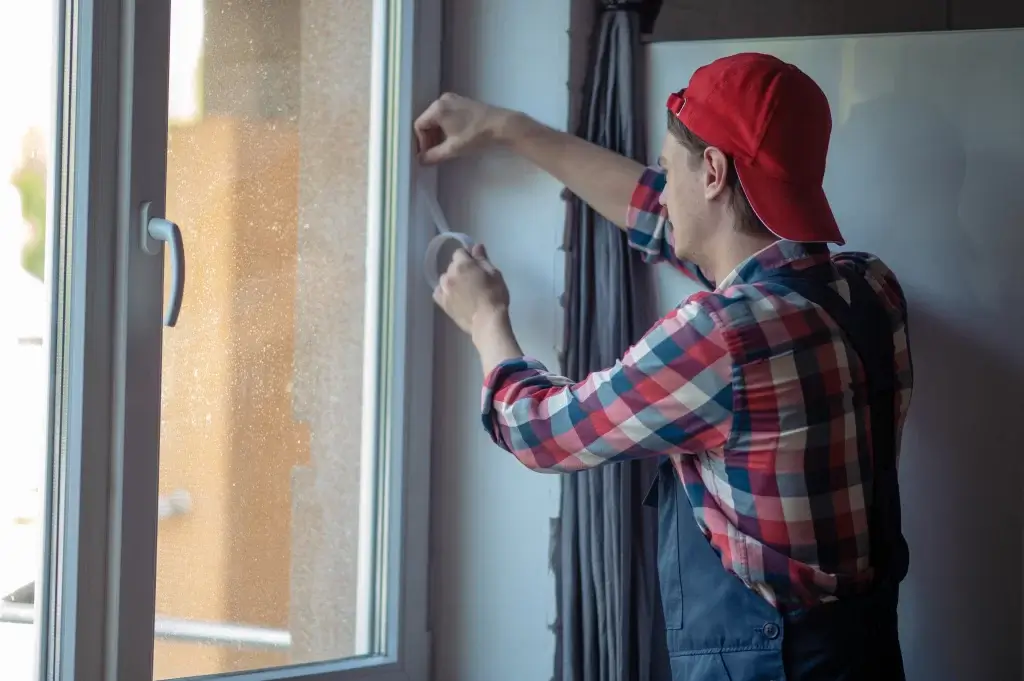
{"points": [[494, 339], [602, 178]]}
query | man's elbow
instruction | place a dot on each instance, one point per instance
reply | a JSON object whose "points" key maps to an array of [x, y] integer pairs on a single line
{"points": [[558, 462]]}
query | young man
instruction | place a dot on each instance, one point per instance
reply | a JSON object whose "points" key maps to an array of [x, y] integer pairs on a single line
{"points": [[776, 397]]}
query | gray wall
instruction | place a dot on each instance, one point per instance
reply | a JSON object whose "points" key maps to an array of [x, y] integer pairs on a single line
{"points": [[926, 170], [493, 592]]}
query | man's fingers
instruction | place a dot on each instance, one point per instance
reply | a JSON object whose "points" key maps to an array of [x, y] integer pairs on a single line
{"points": [[422, 142], [442, 151], [480, 255], [426, 128], [430, 118], [434, 155], [442, 284], [431, 143], [474, 257]]}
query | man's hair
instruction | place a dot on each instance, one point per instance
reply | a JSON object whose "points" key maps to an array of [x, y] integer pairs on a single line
{"points": [[748, 222]]}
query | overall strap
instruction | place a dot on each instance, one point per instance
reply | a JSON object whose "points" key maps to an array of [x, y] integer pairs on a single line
{"points": [[866, 324]]}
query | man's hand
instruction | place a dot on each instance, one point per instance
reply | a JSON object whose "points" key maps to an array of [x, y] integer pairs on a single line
{"points": [[472, 291], [454, 125]]}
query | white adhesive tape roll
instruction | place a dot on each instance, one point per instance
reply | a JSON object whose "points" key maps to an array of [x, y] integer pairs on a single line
{"points": [[431, 270]]}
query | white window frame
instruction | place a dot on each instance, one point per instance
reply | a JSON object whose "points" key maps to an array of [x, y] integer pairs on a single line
{"points": [[96, 600]]}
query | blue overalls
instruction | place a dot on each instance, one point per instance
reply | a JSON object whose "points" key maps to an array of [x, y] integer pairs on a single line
{"points": [[720, 630]]}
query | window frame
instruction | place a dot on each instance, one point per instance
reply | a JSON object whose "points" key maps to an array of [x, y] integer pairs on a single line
{"points": [[96, 601]]}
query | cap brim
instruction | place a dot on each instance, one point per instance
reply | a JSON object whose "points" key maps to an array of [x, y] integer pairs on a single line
{"points": [[793, 212]]}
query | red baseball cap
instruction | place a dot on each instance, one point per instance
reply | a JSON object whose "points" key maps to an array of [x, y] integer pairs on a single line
{"points": [[774, 122]]}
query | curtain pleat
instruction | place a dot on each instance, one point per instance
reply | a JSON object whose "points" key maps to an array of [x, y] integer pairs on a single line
{"points": [[604, 551]]}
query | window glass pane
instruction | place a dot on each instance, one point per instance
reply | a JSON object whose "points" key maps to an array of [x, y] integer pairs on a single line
{"points": [[26, 129], [260, 541]]}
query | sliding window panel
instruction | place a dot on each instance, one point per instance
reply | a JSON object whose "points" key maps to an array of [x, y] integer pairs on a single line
{"points": [[291, 542]]}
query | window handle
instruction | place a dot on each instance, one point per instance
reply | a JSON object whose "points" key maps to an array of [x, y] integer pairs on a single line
{"points": [[158, 231]]}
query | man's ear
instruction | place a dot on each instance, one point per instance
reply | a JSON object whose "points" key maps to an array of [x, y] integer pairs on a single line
{"points": [[716, 173]]}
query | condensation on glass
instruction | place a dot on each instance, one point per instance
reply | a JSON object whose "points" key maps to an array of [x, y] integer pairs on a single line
{"points": [[259, 545]]}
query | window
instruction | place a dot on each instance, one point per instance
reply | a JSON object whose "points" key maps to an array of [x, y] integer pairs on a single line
{"points": [[26, 65], [239, 483]]}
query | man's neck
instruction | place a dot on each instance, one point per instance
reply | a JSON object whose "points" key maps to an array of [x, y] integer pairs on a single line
{"points": [[726, 255]]}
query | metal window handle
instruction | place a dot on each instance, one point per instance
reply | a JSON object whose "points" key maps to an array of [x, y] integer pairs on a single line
{"points": [[155, 233]]}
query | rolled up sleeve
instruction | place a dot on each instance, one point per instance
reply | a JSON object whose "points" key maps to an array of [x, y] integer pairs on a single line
{"points": [[650, 230], [670, 394]]}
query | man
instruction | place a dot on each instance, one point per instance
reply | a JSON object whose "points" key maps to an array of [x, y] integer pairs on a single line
{"points": [[776, 397]]}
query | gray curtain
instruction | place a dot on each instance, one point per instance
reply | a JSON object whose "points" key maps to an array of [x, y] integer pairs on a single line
{"points": [[608, 626]]}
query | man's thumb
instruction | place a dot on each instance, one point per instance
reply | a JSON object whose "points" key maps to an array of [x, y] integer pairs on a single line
{"points": [[436, 154]]}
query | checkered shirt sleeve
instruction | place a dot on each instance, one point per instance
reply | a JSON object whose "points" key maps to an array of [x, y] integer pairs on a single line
{"points": [[670, 394]]}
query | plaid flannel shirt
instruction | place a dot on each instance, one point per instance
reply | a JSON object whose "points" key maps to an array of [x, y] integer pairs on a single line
{"points": [[773, 453]]}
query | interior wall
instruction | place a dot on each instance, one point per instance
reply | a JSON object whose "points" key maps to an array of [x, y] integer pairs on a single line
{"points": [[493, 598], [927, 155]]}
